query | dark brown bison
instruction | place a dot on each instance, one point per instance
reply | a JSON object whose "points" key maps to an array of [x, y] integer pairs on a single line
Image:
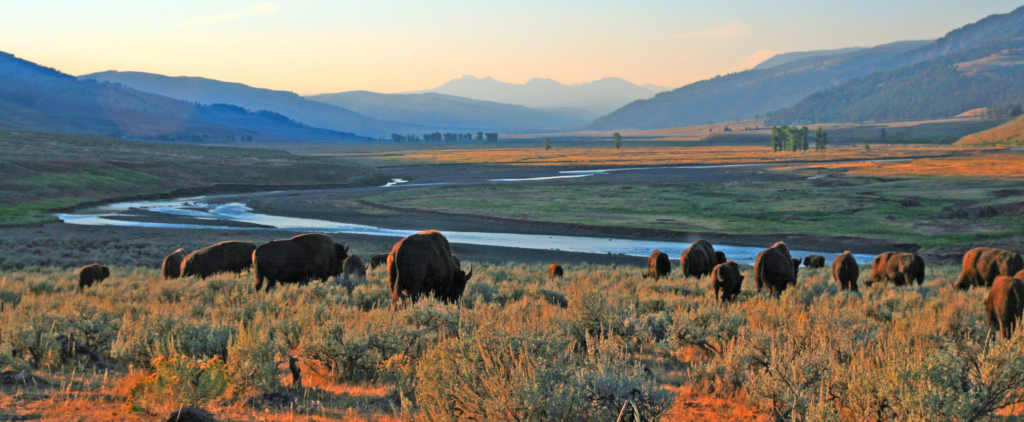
{"points": [[658, 265], [90, 274], [983, 265], [898, 268], [378, 260], [300, 259], [353, 266], [171, 267], [775, 269], [727, 279], [699, 259], [720, 257], [1005, 304], [846, 271], [423, 264], [224, 257], [555, 270], [814, 261]]}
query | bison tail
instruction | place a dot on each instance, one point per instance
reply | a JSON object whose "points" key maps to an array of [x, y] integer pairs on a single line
{"points": [[257, 271]]}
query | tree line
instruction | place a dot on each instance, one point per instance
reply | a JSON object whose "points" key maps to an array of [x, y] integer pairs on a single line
{"points": [[446, 137], [792, 138]]}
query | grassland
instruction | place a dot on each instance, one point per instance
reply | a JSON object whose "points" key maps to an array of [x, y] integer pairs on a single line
{"points": [[1009, 134], [518, 346], [42, 171], [963, 199]]}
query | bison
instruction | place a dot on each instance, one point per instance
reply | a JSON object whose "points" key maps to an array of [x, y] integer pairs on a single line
{"points": [[846, 271], [300, 259], [171, 267], [727, 279], [983, 265], [700, 258], [378, 260], [658, 265], [775, 269], [423, 264], [90, 274], [224, 257], [899, 268], [353, 266], [1005, 304], [814, 261], [555, 271]]}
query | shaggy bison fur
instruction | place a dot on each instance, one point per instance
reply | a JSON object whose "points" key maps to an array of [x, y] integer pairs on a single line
{"points": [[224, 257], [775, 269], [300, 259], [555, 271], [171, 267], [983, 265], [846, 271], [898, 268], [1005, 304], [814, 261], [699, 259], [658, 265], [90, 274], [423, 264], [726, 278]]}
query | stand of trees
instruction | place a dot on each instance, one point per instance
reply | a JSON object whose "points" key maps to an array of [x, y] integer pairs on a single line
{"points": [[1002, 112], [446, 137], [792, 138]]}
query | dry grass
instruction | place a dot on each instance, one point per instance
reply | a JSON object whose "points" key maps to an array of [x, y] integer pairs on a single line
{"points": [[1011, 133], [643, 156], [990, 164]]}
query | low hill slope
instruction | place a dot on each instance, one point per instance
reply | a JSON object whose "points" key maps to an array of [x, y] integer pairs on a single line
{"points": [[458, 113], [1010, 133]]}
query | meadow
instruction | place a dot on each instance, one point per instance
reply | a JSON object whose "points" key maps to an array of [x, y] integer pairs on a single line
{"points": [[518, 346], [930, 202], [40, 172]]}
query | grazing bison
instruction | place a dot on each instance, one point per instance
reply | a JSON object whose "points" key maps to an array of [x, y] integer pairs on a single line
{"points": [[300, 259], [899, 268], [700, 258], [555, 270], [171, 267], [353, 266], [814, 261], [224, 257], [378, 260], [1005, 304], [983, 265], [846, 271], [90, 274], [727, 279], [775, 269], [658, 265], [423, 264]]}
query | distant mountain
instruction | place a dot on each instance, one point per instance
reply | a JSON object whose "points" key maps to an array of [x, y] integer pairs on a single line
{"points": [[976, 66], [784, 58], [210, 91], [34, 97], [599, 96], [753, 92], [656, 88], [456, 113]]}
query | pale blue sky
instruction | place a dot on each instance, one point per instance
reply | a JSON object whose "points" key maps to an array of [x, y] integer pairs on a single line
{"points": [[391, 46]]}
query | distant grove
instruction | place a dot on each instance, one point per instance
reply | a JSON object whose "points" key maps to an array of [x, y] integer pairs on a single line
{"points": [[446, 137]]}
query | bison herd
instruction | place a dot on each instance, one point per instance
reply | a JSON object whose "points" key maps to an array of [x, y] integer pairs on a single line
{"points": [[423, 265]]}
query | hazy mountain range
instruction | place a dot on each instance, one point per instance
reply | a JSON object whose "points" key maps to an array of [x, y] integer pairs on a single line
{"points": [[458, 113], [33, 97], [599, 97], [785, 58]]}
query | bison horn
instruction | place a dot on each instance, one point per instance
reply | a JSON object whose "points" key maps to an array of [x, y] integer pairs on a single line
{"points": [[469, 275], [344, 247]]}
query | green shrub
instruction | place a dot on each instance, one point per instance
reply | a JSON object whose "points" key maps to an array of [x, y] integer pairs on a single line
{"points": [[183, 381], [252, 364]]}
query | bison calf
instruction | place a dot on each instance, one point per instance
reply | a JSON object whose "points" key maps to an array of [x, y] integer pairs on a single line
{"points": [[658, 265], [171, 267], [1005, 304], [846, 271], [555, 271], [90, 274], [354, 266], [726, 278], [378, 260]]}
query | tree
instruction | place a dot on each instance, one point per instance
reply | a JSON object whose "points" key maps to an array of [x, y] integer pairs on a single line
{"points": [[776, 139], [820, 139], [547, 144], [480, 136], [882, 137], [618, 140], [804, 131], [492, 137], [867, 147]]}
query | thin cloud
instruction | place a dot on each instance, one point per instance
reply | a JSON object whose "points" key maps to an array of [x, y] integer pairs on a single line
{"points": [[721, 32], [262, 9], [758, 58]]}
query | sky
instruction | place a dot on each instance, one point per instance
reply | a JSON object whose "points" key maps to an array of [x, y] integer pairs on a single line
{"points": [[312, 46]]}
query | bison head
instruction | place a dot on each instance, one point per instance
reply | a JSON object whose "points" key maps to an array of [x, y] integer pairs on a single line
{"points": [[721, 257], [459, 281], [796, 266], [105, 271]]}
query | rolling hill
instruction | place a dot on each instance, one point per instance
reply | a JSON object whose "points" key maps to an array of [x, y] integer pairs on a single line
{"points": [[34, 97], [976, 66], [784, 58], [456, 113], [599, 97], [752, 92], [210, 91], [1010, 134]]}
